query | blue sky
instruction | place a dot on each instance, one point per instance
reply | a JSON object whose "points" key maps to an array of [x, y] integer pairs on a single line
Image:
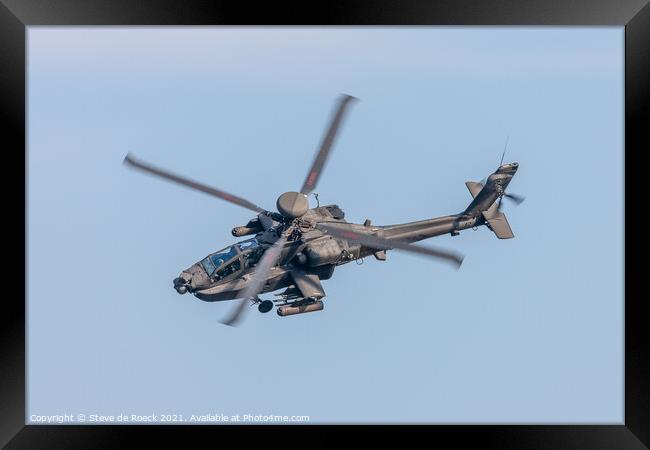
{"points": [[529, 330]]}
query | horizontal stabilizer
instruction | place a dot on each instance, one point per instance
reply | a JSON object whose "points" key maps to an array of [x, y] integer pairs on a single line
{"points": [[474, 187], [499, 224]]}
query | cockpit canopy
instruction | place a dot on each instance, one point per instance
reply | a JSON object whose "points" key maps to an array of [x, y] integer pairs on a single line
{"points": [[231, 259]]}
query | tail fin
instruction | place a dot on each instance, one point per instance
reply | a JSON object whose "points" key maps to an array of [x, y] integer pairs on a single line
{"points": [[497, 222]]}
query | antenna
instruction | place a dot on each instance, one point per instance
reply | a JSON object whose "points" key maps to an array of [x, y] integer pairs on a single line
{"points": [[504, 150]]}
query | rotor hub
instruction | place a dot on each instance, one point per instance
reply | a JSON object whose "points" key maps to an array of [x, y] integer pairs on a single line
{"points": [[292, 204]]}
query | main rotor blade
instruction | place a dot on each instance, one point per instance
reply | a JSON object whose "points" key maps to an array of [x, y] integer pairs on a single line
{"points": [[504, 151], [326, 145], [372, 241], [518, 199], [268, 260], [135, 163]]}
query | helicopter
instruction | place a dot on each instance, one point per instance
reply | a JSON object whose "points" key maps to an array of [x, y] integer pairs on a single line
{"points": [[296, 247]]}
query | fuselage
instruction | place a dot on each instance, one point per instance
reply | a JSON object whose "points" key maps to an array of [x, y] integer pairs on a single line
{"points": [[224, 275]]}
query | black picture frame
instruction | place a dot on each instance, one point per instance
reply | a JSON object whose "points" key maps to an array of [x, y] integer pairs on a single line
{"points": [[16, 15]]}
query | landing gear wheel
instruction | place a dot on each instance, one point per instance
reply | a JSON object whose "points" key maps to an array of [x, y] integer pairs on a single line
{"points": [[265, 306]]}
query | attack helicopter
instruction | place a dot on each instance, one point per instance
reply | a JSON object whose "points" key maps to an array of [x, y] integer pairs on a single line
{"points": [[296, 247]]}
